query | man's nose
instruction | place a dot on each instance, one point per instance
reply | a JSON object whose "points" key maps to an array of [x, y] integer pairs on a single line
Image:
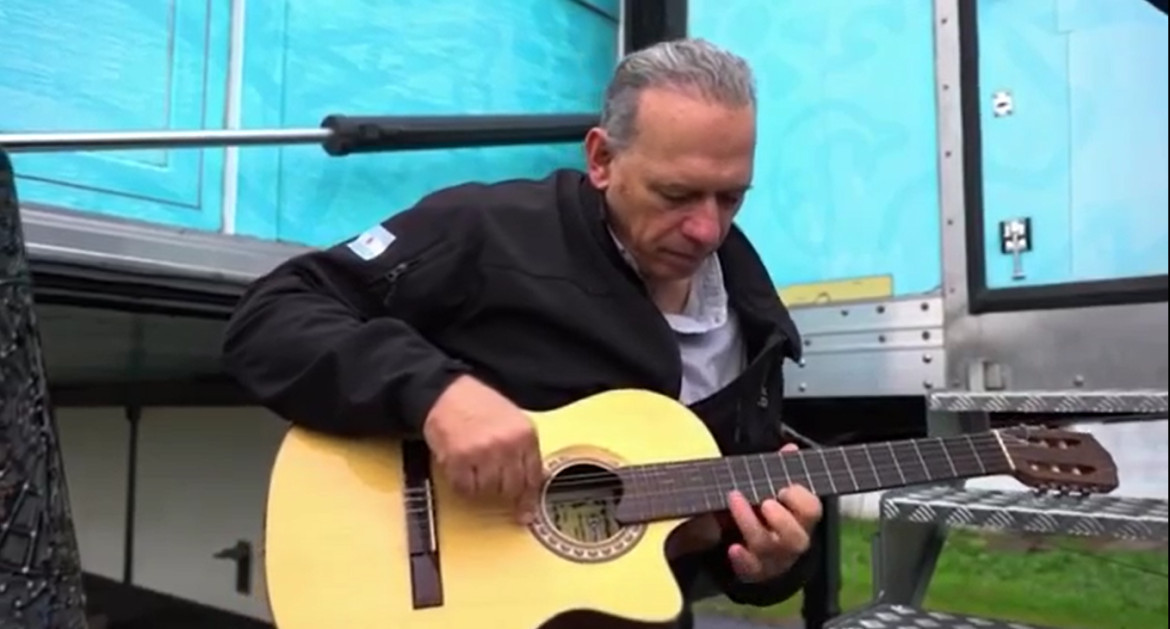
{"points": [[702, 226]]}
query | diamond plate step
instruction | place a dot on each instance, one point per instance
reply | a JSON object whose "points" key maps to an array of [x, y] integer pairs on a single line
{"points": [[1072, 401], [1022, 511], [901, 617]]}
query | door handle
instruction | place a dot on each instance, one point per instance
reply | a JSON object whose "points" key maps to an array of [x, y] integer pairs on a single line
{"points": [[241, 553]]}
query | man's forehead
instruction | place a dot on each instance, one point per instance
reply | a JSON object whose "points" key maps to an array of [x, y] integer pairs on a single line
{"points": [[699, 173]]}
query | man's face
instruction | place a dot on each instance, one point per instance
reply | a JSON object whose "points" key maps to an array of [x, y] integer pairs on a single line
{"points": [[674, 190]]}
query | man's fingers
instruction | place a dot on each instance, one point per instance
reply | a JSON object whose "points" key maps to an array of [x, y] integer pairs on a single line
{"points": [[745, 563], [513, 481], [755, 534], [532, 476], [804, 506], [463, 478], [789, 536]]}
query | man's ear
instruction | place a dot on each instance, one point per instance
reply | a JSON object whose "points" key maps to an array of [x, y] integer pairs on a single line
{"points": [[598, 158]]}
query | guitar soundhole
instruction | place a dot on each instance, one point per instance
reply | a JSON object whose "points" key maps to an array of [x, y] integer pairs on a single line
{"points": [[578, 519], [581, 502]]}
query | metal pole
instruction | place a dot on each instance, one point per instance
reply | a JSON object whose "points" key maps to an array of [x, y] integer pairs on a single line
{"points": [[338, 135], [40, 567], [106, 141]]}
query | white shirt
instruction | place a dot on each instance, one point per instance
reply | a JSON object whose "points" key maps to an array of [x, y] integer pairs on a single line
{"points": [[708, 332]]}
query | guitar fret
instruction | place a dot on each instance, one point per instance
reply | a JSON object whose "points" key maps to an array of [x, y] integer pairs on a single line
{"points": [[897, 466], [849, 468], [942, 446], [978, 459], [751, 481], [808, 480], [862, 471], [717, 492], [731, 473], [828, 471], [925, 468], [762, 476]]}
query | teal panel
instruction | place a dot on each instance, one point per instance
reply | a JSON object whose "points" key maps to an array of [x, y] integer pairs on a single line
{"points": [[1084, 151], [112, 65], [1026, 153], [305, 59], [846, 180]]}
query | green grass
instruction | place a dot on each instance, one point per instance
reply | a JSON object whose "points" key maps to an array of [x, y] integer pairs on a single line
{"points": [[1054, 582]]}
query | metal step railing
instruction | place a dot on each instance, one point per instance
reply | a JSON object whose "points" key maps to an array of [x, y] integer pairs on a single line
{"points": [[914, 521]]}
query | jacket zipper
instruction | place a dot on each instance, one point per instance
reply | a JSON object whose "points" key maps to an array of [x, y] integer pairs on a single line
{"points": [[393, 275]]}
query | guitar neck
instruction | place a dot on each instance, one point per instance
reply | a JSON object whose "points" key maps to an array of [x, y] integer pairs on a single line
{"points": [[676, 490]]}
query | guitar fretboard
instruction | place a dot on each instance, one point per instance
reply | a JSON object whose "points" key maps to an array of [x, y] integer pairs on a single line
{"points": [[684, 489]]}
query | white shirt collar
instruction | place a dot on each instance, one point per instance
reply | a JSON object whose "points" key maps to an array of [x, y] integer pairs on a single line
{"points": [[706, 307]]}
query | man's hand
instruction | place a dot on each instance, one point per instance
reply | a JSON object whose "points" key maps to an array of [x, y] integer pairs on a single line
{"points": [[486, 445], [774, 542]]}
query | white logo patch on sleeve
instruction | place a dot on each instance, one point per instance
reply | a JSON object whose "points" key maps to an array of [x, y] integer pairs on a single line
{"points": [[371, 243]]}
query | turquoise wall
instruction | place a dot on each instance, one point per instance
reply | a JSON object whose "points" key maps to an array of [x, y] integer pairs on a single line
{"points": [[126, 64], [106, 65], [846, 182], [1084, 152], [846, 165]]}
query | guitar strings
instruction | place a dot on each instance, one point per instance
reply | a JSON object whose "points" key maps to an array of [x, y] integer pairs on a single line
{"points": [[661, 470], [600, 481], [563, 492]]}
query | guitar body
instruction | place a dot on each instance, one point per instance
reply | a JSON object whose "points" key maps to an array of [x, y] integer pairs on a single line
{"points": [[338, 547]]}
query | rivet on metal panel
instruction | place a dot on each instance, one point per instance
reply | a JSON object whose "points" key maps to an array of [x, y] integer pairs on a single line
{"points": [[927, 384], [1079, 381], [1002, 103], [844, 313], [927, 358], [926, 335], [881, 338], [881, 308], [925, 306], [801, 363], [803, 386]]}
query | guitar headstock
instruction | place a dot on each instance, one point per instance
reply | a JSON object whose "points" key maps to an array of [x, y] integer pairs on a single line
{"points": [[1063, 461]]}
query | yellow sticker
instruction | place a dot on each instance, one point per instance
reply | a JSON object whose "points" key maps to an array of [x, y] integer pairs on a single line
{"points": [[855, 289]]}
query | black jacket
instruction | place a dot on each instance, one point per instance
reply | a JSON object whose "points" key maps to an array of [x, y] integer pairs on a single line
{"points": [[520, 284]]}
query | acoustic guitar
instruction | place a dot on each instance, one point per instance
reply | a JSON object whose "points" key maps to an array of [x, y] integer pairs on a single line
{"points": [[365, 534]]}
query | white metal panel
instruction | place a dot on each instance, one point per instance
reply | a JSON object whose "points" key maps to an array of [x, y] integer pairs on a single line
{"points": [[95, 445], [202, 485]]}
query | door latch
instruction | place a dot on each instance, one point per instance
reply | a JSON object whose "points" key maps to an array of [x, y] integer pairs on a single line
{"points": [[241, 554], [1015, 239]]}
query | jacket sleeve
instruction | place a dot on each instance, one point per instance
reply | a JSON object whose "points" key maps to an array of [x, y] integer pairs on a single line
{"points": [[330, 340]]}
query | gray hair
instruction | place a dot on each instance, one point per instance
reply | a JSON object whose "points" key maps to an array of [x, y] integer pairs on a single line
{"points": [[690, 65]]}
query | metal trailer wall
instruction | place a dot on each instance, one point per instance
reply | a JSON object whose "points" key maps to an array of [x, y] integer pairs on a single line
{"points": [[1099, 334], [867, 188]]}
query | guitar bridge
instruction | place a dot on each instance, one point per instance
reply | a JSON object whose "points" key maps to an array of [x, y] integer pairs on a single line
{"points": [[426, 581]]}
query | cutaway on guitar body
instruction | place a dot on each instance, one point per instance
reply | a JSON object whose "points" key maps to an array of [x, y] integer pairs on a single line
{"points": [[365, 534]]}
